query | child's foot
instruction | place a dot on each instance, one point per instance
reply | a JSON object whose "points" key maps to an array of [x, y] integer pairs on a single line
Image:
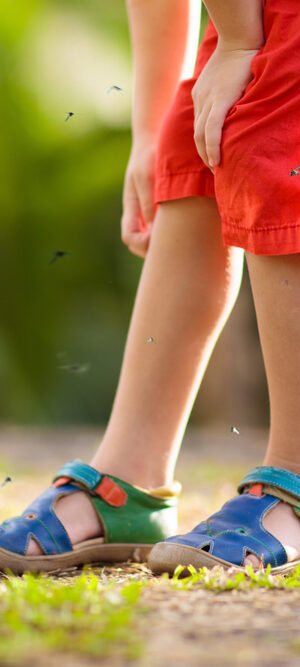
{"points": [[282, 523], [78, 517], [254, 527], [87, 517], [81, 522]]}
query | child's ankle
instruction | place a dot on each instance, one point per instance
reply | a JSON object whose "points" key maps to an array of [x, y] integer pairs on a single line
{"points": [[280, 462], [137, 475]]}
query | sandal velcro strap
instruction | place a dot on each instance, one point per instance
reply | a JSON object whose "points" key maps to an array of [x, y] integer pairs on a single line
{"points": [[280, 483], [96, 483], [111, 492]]}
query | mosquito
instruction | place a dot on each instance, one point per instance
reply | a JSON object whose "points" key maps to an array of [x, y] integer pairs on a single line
{"points": [[295, 171], [57, 254], [118, 88], [69, 115], [7, 479], [150, 340], [75, 368], [234, 429]]}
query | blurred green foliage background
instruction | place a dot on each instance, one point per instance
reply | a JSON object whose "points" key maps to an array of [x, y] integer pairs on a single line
{"points": [[61, 189]]}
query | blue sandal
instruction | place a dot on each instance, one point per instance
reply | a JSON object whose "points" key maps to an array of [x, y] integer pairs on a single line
{"points": [[132, 519], [228, 536]]}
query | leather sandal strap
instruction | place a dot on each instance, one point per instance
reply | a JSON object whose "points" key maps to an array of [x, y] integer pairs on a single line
{"points": [[81, 472], [277, 482], [127, 513], [92, 480]]}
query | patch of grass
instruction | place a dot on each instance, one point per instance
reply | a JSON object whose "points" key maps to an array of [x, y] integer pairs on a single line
{"points": [[89, 614], [218, 580], [42, 614]]}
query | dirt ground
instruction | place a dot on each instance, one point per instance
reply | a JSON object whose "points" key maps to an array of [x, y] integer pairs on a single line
{"points": [[182, 627], [197, 627]]}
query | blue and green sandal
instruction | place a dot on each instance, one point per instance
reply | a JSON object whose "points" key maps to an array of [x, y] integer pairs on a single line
{"points": [[228, 536], [133, 519]]}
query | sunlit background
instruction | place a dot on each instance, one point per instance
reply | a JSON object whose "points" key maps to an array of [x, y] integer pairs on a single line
{"points": [[64, 322]]}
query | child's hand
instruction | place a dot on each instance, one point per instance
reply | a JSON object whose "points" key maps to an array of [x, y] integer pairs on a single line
{"points": [[138, 205], [220, 85]]}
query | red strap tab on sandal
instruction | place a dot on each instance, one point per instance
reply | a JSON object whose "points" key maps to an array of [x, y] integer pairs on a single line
{"points": [[256, 490], [61, 481], [111, 492]]}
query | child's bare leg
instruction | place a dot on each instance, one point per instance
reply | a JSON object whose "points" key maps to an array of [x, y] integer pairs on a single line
{"points": [[275, 285], [187, 289]]}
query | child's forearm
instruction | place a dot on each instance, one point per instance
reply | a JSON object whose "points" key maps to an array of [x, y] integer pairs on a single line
{"points": [[238, 22], [159, 33]]}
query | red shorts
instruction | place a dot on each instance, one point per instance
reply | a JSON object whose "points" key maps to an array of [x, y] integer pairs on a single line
{"points": [[258, 198]]}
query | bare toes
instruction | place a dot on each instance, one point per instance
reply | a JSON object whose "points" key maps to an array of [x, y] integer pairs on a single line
{"points": [[251, 560], [34, 548]]}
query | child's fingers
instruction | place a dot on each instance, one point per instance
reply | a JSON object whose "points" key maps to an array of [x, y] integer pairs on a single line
{"points": [[136, 241], [199, 136], [145, 188], [213, 133], [141, 244], [130, 223], [134, 233]]}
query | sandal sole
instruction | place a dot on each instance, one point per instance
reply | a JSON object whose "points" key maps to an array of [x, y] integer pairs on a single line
{"points": [[84, 554], [166, 556]]}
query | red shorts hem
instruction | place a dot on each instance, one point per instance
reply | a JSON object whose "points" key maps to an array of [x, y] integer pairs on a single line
{"points": [[182, 184], [271, 240]]}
